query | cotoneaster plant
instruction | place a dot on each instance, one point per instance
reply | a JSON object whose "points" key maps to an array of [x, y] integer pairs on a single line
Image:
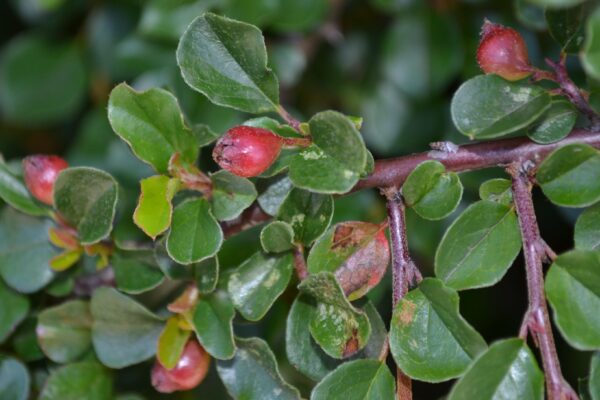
{"points": [[173, 302]]}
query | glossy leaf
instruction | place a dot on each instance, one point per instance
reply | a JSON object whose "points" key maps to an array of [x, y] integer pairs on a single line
{"points": [[154, 209], [306, 355], [273, 196], [84, 380], [212, 321], [253, 373], [13, 311], [498, 190], [357, 380], [566, 26], [335, 160], [64, 331], [195, 235], [356, 252], [25, 251], [587, 229], [87, 198], [277, 237], [479, 246], [229, 71], [590, 56], [570, 176], [123, 332], [14, 192], [340, 329], [309, 214], [207, 275], [257, 283], [231, 194], [135, 271], [429, 339], [573, 288], [507, 370], [152, 124], [14, 379], [33, 88], [487, 106], [431, 191], [171, 343], [555, 125]]}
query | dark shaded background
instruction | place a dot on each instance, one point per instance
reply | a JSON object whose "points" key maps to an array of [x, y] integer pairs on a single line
{"points": [[394, 62]]}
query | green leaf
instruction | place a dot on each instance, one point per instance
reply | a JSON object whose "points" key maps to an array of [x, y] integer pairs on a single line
{"points": [[272, 197], [487, 106], [590, 56], [42, 81], [83, 380], [566, 26], [14, 379], [229, 71], [299, 15], [256, 12], [64, 331], [124, 332], [530, 15], [357, 380], [204, 134], [594, 379], [587, 229], [135, 271], [252, 374], [498, 190], [152, 124], [309, 214], [207, 274], [13, 311], [306, 355], [195, 235], [573, 289], [335, 160], [171, 343], [167, 19], [556, 3], [231, 194], [431, 191], [479, 246], [257, 283], [429, 339], [422, 52], [277, 237], [570, 176], [14, 192], [507, 370], [154, 209], [25, 342], [87, 198], [555, 124], [212, 322], [340, 329], [356, 252], [25, 251]]}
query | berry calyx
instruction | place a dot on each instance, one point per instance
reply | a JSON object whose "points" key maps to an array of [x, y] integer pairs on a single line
{"points": [[191, 369], [247, 151], [502, 51], [40, 173]]}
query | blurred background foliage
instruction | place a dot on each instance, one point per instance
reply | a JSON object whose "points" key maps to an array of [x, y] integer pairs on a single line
{"points": [[394, 62]]}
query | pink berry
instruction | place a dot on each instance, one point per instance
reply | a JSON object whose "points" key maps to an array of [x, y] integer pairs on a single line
{"points": [[190, 370], [247, 151], [40, 173], [502, 51]]}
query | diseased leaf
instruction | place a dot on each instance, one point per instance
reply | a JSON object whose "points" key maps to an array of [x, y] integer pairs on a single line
{"points": [[429, 339], [309, 214], [498, 190], [153, 213], [357, 253], [226, 60], [340, 329], [207, 275]]}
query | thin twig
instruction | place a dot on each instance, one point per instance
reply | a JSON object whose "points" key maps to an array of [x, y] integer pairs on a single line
{"points": [[537, 320], [300, 262]]}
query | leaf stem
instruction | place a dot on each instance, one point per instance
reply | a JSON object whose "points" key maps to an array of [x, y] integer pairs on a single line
{"points": [[287, 117], [537, 320], [300, 262]]}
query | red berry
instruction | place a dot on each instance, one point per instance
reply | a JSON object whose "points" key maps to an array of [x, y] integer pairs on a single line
{"points": [[247, 151], [502, 51], [40, 173], [190, 370]]}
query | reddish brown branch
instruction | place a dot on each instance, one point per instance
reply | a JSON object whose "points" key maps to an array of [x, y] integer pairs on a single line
{"points": [[537, 320], [252, 216]]}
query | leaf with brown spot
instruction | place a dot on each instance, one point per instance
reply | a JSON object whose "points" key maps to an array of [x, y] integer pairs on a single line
{"points": [[340, 329], [356, 252]]}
